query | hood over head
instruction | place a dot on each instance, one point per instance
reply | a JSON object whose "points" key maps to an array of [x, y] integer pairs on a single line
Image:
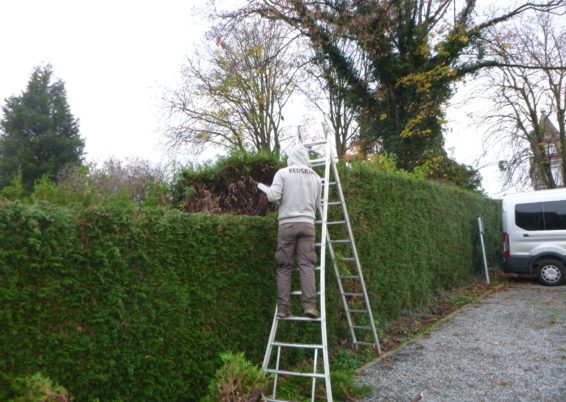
{"points": [[298, 155]]}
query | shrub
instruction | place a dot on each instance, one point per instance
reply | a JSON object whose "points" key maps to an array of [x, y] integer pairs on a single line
{"points": [[34, 388], [15, 190], [237, 380], [134, 181]]}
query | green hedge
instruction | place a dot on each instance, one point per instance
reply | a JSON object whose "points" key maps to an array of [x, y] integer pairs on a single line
{"points": [[416, 237], [135, 306], [118, 303]]}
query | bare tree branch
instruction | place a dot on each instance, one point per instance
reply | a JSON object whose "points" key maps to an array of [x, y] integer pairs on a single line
{"points": [[236, 99], [529, 102]]}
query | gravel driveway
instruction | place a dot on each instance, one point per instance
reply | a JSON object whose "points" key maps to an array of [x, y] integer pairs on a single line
{"points": [[511, 346]]}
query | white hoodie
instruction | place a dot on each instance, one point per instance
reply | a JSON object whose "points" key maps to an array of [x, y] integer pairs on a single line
{"points": [[297, 188]]}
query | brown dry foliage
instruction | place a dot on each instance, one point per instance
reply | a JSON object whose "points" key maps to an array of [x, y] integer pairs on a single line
{"points": [[236, 194]]}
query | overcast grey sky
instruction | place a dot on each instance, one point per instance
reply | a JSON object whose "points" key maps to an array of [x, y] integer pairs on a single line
{"points": [[117, 58]]}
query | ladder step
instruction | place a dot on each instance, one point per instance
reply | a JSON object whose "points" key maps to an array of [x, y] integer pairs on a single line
{"points": [[347, 259], [297, 345], [361, 327], [312, 144], [317, 268], [330, 203], [353, 294], [364, 343], [298, 293], [345, 241], [331, 183], [299, 318], [279, 400], [350, 277], [318, 222], [317, 162], [295, 373]]}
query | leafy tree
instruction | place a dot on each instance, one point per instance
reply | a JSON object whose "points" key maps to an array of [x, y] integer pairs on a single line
{"points": [[233, 96], [326, 90], [448, 171], [415, 49], [39, 135], [340, 115], [528, 90]]}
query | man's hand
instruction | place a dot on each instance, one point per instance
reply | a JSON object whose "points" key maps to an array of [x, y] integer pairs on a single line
{"points": [[263, 187]]}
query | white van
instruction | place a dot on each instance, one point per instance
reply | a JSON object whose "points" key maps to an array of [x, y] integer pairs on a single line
{"points": [[534, 235]]}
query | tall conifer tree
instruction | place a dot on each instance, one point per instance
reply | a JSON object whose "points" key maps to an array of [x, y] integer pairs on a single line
{"points": [[38, 135]]}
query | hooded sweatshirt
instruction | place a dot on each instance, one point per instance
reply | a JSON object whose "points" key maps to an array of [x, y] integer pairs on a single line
{"points": [[297, 188]]}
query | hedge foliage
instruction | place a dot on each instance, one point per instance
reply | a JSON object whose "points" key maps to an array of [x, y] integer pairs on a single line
{"points": [[137, 304], [119, 304], [416, 237]]}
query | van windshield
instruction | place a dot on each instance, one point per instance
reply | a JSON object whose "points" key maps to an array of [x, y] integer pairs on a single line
{"points": [[550, 215]]}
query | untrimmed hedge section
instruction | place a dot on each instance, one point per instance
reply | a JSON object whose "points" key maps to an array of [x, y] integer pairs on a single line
{"points": [[118, 303], [416, 237]]}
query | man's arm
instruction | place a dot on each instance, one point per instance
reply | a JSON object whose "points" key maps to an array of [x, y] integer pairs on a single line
{"points": [[274, 192]]}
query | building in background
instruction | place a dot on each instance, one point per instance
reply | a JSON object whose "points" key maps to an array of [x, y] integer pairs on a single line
{"points": [[552, 145]]}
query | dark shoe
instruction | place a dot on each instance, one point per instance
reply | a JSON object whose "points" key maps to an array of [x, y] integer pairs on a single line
{"points": [[312, 313], [283, 312]]}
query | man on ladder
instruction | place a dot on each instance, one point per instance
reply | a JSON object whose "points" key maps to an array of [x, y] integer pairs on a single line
{"points": [[297, 188], [301, 191]]}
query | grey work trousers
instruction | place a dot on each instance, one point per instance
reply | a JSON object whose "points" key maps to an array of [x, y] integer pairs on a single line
{"points": [[296, 240]]}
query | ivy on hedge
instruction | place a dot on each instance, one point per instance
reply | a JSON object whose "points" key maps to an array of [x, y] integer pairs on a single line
{"points": [[121, 303]]}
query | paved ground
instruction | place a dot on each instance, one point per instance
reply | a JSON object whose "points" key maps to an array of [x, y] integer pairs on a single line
{"points": [[511, 346]]}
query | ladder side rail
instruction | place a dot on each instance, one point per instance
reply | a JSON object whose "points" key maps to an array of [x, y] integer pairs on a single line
{"points": [[269, 351], [313, 389], [356, 257], [270, 341], [323, 235], [277, 369], [341, 287]]}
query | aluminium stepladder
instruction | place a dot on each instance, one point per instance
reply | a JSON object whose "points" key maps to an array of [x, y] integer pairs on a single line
{"points": [[351, 287]]}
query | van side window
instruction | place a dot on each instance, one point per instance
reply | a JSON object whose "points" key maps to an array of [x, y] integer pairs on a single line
{"points": [[555, 215], [541, 215], [529, 216]]}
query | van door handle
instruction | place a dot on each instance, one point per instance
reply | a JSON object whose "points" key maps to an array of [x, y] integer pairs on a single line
{"points": [[525, 235]]}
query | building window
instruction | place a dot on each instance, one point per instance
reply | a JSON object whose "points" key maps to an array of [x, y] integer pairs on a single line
{"points": [[551, 149]]}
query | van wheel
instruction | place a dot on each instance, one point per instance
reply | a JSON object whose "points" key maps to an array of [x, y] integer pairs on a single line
{"points": [[551, 272]]}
